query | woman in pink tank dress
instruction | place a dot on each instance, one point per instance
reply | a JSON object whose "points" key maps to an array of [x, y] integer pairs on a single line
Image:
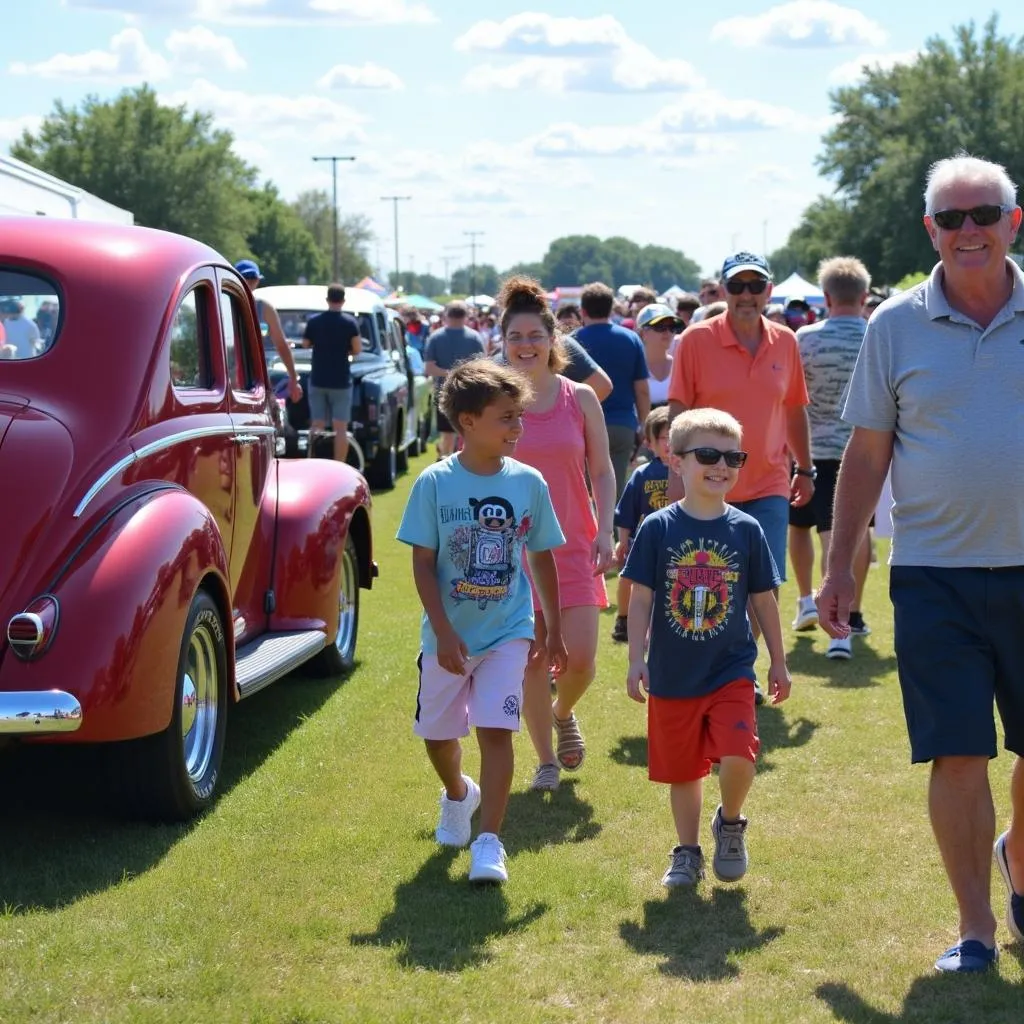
{"points": [[564, 438]]}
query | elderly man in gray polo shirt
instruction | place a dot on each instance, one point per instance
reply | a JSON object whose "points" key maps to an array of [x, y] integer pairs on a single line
{"points": [[938, 392]]}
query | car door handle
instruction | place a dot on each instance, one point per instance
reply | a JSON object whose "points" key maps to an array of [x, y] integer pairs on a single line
{"points": [[246, 438]]}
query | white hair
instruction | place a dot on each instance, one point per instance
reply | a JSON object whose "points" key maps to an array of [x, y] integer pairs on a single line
{"points": [[963, 167]]}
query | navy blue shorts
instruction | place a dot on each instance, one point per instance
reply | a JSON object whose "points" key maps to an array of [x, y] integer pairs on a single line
{"points": [[773, 515], [959, 637]]}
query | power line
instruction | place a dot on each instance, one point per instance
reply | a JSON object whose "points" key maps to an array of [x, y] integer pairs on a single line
{"points": [[473, 236], [334, 205], [395, 200]]}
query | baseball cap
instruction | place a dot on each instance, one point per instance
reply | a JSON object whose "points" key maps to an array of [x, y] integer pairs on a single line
{"points": [[746, 261], [653, 313], [249, 268]]}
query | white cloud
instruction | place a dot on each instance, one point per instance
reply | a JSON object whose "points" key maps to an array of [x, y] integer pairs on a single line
{"points": [[268, 115], [196, 50], [366, 76], [711, 112], [770, 174], [128, 58], [852, 71], [531, 34], [801, 24], [11, 128], [273, 12]]}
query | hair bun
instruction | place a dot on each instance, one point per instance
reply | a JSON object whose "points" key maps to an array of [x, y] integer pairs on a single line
{"points": [[520, 294]]}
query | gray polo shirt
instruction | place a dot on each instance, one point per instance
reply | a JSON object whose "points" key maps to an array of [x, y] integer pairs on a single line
{"points": [[953, 395]]}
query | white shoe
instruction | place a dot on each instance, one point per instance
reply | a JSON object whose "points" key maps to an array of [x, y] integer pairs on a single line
{"points": [[806, 614], [487, 859], [841, 648], [455, 826]]}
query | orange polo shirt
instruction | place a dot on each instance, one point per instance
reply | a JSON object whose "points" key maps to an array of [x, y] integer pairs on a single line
{"points": [[711, 369]]}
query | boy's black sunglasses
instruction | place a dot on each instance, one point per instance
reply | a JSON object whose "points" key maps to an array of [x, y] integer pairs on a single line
{"points": [[983, 216], [754, 287], [710, 457]]}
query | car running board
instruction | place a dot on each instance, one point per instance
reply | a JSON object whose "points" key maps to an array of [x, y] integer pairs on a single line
{"points": [[269, 657]]}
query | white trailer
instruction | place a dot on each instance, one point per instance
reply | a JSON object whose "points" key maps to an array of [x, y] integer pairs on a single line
{"points": [[25, 190]]}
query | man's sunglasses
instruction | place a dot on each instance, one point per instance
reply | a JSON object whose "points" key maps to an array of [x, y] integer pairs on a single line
{"points": [[983, 216], [663, 327], [710, 457], [739, 287]]}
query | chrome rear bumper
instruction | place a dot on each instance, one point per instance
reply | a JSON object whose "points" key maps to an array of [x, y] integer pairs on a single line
{"points": [[38, 712]]}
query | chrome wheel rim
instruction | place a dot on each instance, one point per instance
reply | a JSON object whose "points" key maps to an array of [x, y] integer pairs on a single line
{"points": [[199, 703], [347, 598]]}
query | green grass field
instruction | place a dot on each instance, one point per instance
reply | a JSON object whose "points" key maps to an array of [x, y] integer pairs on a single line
{"points": [[314, 891]]}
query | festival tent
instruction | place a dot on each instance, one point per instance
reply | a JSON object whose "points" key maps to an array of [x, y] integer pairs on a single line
{"points": [[370, 285], [420, 302], [796, 287], [481, 300]]}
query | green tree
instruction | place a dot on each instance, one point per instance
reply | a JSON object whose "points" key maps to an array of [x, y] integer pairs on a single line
{"points": [[486, 280], [535, 270], [664, 267], [282, 245], [315, 210], [826, 230], [171, 168]]}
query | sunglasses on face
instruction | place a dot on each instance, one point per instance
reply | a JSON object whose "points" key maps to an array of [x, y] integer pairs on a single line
{"points": [[739, 287], [710, 457], [663, 327], [983, 216]]}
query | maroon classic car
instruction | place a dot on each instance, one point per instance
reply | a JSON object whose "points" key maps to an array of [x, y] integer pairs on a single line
{"points": [[157, 561]]}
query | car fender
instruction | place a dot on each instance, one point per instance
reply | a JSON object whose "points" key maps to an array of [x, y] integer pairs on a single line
{"points": [[318, 502], [124, 596]]}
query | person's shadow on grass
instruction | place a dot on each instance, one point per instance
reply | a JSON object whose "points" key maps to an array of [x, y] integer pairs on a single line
{"points": [[535, 820], [859, 672], [698, 937], [443, 924], [630, 752], [936, 999]]}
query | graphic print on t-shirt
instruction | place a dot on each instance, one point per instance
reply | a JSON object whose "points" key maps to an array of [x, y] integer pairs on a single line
{"points": [[700, 586], [656, 493], [485, 549]]}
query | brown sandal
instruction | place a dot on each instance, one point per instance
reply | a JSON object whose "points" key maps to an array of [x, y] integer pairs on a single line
{"points": [[571, 749]]}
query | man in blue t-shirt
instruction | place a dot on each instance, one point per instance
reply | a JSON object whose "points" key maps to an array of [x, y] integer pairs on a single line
{"points": [[620, 353], [334, 338]]}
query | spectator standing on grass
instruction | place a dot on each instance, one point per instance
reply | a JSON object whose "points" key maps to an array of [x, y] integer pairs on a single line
{"points": [[620, 353], [469, 520], [564, 438], [334, 339], [828, 352], [693, 566], [936, 393], [445, 349]]}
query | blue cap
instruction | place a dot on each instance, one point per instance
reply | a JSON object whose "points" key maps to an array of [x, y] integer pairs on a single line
{"points": [[745, 261], [250, 269]]}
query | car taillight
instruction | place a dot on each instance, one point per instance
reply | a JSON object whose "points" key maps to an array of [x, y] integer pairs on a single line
{"points": [[371, 412], [31, 632]]}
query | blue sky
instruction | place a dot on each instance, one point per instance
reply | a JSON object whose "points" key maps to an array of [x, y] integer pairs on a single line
{"points": [[689, 125]]}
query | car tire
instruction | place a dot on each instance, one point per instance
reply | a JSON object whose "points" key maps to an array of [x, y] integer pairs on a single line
{"points": [[383, 471], [175, 773], [339, 657], [403, 453]]}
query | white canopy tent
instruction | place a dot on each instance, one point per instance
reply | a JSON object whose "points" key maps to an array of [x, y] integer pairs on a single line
{"points": [[25, 190], [481, 300], [796, 287]]}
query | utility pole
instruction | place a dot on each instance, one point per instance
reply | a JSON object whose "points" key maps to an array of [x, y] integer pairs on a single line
{"points": [[395, 200], [472, 236], [334, 206], [447, 261]]}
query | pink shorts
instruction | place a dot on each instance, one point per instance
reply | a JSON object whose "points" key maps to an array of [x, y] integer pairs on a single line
{"points": [[489, 695]]}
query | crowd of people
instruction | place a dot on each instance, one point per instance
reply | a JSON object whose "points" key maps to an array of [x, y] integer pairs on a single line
{"points": [[24, 337]]}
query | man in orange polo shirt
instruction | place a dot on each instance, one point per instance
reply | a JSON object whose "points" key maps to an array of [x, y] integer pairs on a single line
{"points": [[750, 367]]}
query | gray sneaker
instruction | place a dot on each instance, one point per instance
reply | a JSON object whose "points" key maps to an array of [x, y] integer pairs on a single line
{"points": [[687, 867], [730, 860]]}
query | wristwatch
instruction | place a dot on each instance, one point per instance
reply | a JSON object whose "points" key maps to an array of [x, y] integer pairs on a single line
{"points": [[812, 472]]}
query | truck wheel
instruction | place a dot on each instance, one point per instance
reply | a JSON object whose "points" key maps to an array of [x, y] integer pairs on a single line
{"points": [[402, 454], [341, 655], [384, 468], [176, 771]]}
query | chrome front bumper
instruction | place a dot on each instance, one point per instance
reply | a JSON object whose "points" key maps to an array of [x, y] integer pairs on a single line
{"points": [[37, 713]]}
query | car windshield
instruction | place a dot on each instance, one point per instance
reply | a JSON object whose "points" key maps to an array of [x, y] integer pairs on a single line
{"points": [[293, 322], [30, 315]]}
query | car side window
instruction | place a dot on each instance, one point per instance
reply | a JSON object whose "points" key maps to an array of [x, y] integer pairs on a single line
{"points": [[237, 353], [190, 345]]}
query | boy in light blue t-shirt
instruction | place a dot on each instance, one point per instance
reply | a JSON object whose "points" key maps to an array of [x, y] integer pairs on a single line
{"points": [[469, 519]]}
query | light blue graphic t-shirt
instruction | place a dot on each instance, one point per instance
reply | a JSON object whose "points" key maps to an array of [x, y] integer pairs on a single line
{"points": [[479, 525]]}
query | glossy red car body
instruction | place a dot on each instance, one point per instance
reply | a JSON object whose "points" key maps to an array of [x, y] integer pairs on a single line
{"points": [[124, 495]]}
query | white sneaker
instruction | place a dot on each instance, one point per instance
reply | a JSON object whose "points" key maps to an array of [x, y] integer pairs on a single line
{"points": [[806, 614], [455, 827], [487, 859], [841, 647]]}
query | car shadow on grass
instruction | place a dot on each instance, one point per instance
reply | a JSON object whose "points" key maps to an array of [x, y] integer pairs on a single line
{"points": [[861, 671], [935, 998], [66, 831], [443, 924], [697, 936]]}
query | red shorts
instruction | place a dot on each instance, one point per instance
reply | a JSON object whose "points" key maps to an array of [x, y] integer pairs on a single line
{"points": [[685, 735]]}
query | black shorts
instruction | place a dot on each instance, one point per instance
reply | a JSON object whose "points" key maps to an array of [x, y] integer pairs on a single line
{"points": [[959, 647], [818, 511], [443, 426]]}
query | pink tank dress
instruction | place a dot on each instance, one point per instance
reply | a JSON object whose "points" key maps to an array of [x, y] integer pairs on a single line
{"points": [[554, 443]]}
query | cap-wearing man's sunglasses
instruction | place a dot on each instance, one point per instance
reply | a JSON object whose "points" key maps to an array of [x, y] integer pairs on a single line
{"points": [[738, 287], [710, 457], [663, 326], [983, 216]]}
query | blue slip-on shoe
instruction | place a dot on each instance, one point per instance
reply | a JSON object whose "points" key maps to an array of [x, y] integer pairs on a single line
{"points": [[967, 957], [1014, 900]]}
